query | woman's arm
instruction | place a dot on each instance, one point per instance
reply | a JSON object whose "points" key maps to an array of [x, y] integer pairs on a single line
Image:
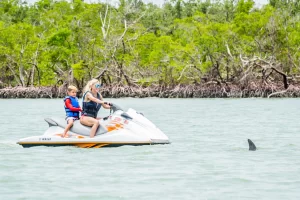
{"points": [[105, 105]]}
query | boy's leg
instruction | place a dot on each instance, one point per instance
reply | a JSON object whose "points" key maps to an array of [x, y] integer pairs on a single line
{"points": [[69, 125]]}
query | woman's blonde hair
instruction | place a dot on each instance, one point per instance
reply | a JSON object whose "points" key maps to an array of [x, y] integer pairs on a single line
{"points": [[89, 85]]}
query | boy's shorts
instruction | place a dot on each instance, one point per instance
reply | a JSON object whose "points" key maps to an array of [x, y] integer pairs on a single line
{"points": [[72, 118]]}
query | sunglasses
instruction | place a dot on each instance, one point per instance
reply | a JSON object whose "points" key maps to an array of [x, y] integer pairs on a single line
{"points": [[97, 85]]}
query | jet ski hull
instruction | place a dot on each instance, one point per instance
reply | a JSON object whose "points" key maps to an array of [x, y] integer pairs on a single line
{"points": [[81, 145], [82, 142], [119, 129], [86, 144]]}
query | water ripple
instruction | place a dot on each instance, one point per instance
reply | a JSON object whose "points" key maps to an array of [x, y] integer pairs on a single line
{"points": [[208, 157]]}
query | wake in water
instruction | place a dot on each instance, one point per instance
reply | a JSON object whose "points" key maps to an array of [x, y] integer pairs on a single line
{"points": [[6, 144]]}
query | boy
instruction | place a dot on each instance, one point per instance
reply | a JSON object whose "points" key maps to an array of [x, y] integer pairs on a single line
{"points": [[72, 108]]}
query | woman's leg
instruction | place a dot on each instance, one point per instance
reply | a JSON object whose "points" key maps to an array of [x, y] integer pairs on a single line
{"points": [[90, 121]]}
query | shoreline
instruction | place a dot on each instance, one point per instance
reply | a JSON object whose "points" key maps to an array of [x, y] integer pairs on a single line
{"points": [[206, 90]]}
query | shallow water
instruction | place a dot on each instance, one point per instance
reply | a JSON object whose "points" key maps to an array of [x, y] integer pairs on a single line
{"points": [[208, 157]]}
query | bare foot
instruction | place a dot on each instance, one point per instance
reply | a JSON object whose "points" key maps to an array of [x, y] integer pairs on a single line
{"points": [[65, 136], [59, 134]]}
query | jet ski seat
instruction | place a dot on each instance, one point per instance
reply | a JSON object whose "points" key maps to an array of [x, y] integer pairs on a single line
{"points": [[77, 127]]}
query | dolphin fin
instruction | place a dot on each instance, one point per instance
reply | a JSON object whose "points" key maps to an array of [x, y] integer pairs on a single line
{"points": [[252, 146]]}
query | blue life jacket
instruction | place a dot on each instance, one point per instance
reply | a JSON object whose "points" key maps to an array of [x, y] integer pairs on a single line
{"points": [[75, 104], [90, 108]]}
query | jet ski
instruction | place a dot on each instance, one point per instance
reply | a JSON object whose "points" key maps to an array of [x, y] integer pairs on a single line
{"points": [[118, 129]]}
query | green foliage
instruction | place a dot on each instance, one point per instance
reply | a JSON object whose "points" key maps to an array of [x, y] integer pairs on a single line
{"points": [[78, 70], [59, 38], [180, 42], [244, 6]]}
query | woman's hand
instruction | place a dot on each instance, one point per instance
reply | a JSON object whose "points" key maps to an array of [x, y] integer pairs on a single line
{"points": [[106, 105]]}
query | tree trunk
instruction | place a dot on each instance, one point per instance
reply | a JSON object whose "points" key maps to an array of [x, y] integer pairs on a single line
{"points": [[21, 68]]}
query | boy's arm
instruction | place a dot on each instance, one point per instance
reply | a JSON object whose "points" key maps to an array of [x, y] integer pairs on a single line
{"points": [[69, 105]]}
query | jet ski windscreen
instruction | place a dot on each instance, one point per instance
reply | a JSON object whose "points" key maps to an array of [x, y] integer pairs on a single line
{"points": [[115, 107]]}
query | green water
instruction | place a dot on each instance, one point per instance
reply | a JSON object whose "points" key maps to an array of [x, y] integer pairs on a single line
{"points": [[208, 157]]}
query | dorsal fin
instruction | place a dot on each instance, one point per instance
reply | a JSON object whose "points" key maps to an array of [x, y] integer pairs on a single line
{"points": [[252, 146]]}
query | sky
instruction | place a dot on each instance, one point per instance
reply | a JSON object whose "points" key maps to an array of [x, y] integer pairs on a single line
{"points": [[159, 2]]}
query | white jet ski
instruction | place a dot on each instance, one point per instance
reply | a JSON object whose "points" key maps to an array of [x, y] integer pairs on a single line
{"points": [[117, 129]]}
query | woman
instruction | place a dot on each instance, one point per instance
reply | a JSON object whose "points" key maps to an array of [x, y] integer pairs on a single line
{"points": [[91, 104]]}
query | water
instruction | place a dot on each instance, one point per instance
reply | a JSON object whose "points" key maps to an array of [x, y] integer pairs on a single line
{"points": [[208, 157]]}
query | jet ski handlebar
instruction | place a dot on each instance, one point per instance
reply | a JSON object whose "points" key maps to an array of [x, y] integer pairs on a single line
{"points": [[113, 107], [107, 103]]}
